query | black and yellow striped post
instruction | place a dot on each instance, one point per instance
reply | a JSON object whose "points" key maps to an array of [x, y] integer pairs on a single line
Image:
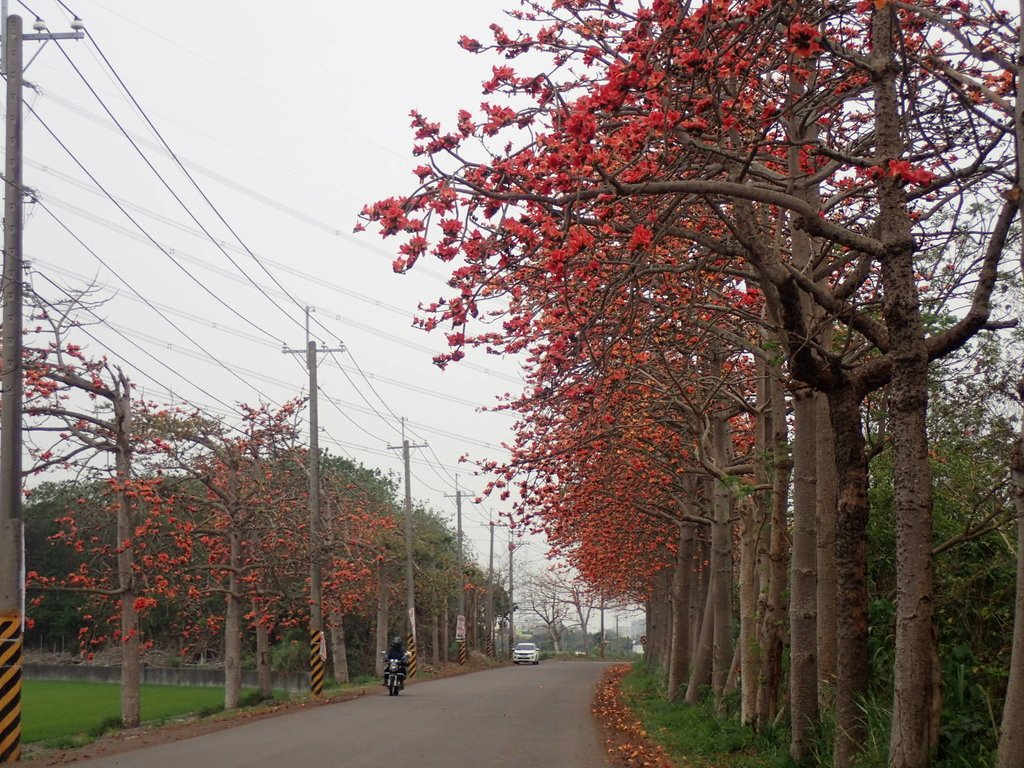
{"points": [[10, 689], [410, 646], [317, 662], [490, 646], [462, 651]]}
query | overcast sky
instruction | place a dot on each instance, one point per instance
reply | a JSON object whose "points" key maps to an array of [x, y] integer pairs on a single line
{"points": [[289, 118]]}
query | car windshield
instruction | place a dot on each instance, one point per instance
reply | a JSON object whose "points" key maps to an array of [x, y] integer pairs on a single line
{"points": [[525, 647]]}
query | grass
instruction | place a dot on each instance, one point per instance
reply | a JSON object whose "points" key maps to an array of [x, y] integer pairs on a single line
{"points": [[694, 736], [68, 714]]}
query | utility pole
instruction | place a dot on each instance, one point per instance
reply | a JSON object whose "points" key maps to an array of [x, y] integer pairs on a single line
{"points": [[317, 643], [490, 594], [12, 548], [410, 592], [460, 620], [511, 601], [512, 547], [492, 645]]}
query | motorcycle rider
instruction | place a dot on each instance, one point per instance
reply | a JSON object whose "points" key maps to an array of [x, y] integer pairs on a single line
{"points": [[397, 651]]}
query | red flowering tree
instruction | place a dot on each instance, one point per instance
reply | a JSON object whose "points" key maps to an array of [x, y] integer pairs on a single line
{"points": [[803, 148], [248, 482], [78, 409]]}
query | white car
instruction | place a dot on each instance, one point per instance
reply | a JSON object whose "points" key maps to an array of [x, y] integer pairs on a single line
{"points": [[526, 653]]}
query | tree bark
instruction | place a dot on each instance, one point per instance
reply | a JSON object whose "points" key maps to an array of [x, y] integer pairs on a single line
{"points": [[233, 625], [679, 659], [851, 572], [721, 568], [1010, 752], [1011, 735], [444, 637], [131, 646], [659, 617], [803, 598], [826, 537], [752, 520], [264, 673], [772, 632], [915, 708], [382, 618], [339, 653], [700, 669]]}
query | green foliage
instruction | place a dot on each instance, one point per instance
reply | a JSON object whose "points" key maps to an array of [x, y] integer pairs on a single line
{"points": [[694, 735], [105, 726], [291, 654]]}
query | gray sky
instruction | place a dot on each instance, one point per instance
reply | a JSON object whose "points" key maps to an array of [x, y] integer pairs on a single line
{"points": [[288, 122]]}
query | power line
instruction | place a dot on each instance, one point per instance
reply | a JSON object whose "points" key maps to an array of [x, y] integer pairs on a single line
{"points": [[220, 327], [175, 326], [189, 176], [142, 229], [184, 256]]}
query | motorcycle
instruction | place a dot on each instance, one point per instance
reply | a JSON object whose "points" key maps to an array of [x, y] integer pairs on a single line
{"points": [[394, 675]]}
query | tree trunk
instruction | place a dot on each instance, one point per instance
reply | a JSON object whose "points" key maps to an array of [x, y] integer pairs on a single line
{"points": [[803, 598], [851, 572], [1011, 735], [826, 504], [700, 670], [436, 639], [233, 625], [773, 627], [721, 564], [915, 716], [444, 638], [472, 619], [339, 653], [660, 639], [131, 645], [264, 673], [382, 619], [679, 658], [752, 519], [584, 617]]}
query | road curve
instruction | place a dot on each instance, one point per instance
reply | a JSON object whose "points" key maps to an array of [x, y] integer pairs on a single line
{"points": [[537, 716]]}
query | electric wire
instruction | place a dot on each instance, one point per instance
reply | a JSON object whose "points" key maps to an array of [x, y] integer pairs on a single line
{"points": [[186, 257], [23, 5], [126, 332], [208, 355], [191, 179], [149, 237], [305, 218], [170, 189], [258, 86], [359, 369], [85, 330], [259, 340]]}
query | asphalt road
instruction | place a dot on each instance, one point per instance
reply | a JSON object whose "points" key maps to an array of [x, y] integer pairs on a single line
{"points": [[537, 716]]}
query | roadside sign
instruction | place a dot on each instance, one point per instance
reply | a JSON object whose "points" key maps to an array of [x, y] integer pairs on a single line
{"points": [[460, 629]]}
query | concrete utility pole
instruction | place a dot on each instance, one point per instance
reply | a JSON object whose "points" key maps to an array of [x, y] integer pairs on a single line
{"points": [[12, 588], [460, 620], [492, 644], [410, 591], [12, 548], [490, 594], [511, 601], [317, 645]]}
